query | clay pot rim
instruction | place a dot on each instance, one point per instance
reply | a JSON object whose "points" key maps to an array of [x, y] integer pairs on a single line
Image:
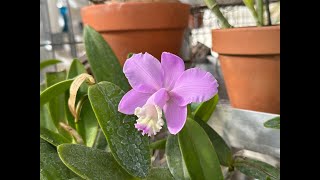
{"points": [[128, 3], [122, 16], [251, 28], [252, 40]]}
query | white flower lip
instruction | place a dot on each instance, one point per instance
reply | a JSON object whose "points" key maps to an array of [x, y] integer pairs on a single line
{"points": [[149, 119]]}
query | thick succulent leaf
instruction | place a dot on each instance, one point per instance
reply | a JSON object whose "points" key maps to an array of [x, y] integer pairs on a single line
{"points": [[56, 104], [128, 146], [159, 174], [100, 141], [51, 167], [205, 109], [90, 163], [55, 90], [49, 62], [104, 64], [87, 126], [222, 149], [45, 118], [198, 152], [256, 169], [175, 160], [53, 137]]}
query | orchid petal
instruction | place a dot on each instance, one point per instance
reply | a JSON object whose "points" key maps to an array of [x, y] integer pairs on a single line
{"points": [[159, 98], [173, 67], [175, 115], [194, 85], [144, 73], [131, 100]]}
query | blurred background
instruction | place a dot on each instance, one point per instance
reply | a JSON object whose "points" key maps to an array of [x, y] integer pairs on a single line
{"points": [[61, 32]]}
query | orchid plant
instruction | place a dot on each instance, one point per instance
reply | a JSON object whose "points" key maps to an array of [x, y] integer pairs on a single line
{"points": [[258, 8], [147, 120]]}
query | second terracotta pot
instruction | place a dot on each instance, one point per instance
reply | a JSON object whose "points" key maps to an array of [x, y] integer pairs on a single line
{"points": [[135, 27], [250, 63]]}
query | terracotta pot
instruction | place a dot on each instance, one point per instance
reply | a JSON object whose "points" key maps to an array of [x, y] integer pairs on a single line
{"points": [[139, 27], [250, 62]]}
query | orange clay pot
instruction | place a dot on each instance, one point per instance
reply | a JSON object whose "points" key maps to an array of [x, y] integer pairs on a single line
{"points": [[135, 27], [250, 62]]}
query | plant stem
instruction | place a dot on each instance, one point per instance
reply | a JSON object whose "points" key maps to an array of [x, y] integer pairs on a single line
{"points": [[213, 6], [260, 11], [268, 12], [250, 6]]}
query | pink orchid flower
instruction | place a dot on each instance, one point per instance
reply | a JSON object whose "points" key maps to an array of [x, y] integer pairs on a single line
{"points": [[163, 86]]}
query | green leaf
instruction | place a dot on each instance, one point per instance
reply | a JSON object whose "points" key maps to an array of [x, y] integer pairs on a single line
{"points": [[128, 146], [45, 118], [104, 64], [76, 68], [43, 86], [51, 167], [52, 137], [90, 163], [101, 141], [56, 104], [273, 123], [250, 6], [69, 116], [129, 119], [175, 160], [222, 149], [194, 106], [159, 174], [256, 169], [54, 91], [205, 109], [48, 62], [189, 111], [87, 126], [198, 152], [76, 178], [160, 144]]}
